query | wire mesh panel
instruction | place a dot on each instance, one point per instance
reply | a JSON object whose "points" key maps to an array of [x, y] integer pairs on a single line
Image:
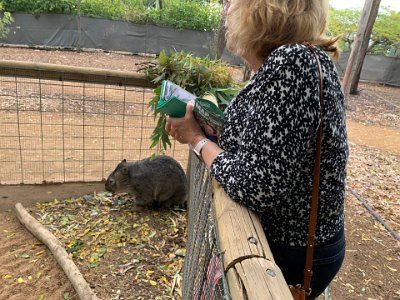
{"points": [[65, 127], [203, 277]]}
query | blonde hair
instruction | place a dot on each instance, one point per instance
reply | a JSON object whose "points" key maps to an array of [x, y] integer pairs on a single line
{"points": [[256, 27]]}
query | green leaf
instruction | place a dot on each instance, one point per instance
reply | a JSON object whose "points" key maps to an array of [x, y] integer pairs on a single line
{"points": [[159, 78], [74, 246], [102, 251], [165, 140], [163, 58]]}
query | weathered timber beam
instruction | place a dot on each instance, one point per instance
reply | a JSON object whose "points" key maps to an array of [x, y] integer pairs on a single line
{"points": [[72, 73], [247, 258]]}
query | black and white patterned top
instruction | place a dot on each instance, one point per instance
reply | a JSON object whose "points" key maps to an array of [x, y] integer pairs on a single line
{"points": [[269, 142]]}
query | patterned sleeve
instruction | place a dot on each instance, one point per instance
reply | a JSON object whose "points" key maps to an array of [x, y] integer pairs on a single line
{"points": [[279, 121]]}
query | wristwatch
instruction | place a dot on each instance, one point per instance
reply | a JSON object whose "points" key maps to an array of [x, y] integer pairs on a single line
{"points": [[199, 146]]}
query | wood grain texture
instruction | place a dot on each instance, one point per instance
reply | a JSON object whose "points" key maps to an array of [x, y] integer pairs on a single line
{"points": [[248, 262]]}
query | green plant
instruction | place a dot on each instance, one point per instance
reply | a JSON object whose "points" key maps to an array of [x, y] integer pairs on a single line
{"points": [[181, 14], [114, 10], [40, 6], [189, 14], [5, 21], [385, 33], [199, 76]]}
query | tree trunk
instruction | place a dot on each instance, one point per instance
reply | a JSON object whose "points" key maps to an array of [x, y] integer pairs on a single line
{"points": [[221, 38], [159, 4], [360, 46], [78, 21]]}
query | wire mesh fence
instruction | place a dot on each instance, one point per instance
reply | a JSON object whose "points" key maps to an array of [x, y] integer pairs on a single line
{"points": [[204, 276], [72, 125]]}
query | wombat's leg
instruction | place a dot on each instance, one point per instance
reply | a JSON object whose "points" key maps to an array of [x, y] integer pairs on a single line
{"points": [[156, 204], [136, 207], [178, 198], [144, 201], [139, 203]]}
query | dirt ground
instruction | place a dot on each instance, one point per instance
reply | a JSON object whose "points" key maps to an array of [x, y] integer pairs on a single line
{"points": [[150, 268]]}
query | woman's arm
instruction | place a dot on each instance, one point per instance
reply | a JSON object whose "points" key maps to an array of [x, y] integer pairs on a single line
{"points": [[269, 142], [268, 133]]}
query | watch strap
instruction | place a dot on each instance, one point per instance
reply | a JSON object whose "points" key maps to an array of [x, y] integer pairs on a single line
{"points": [[199, 146]]}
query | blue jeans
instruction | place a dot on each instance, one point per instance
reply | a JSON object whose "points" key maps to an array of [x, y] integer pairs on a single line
{"points": [[328, 258]]}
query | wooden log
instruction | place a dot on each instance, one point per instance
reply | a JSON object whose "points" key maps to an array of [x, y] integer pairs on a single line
{"points": [[46, 237], [248, 261], [73, 73]]}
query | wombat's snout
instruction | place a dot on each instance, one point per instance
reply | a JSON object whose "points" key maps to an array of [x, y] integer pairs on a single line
{"points": [[110, 185]]}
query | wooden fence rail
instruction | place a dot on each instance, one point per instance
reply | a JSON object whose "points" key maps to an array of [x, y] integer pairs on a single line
{"points": [[248, 262], [72, 73]]}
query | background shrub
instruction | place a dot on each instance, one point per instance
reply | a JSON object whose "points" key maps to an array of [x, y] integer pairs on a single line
{"points": [[40, 6], [181, 14]]}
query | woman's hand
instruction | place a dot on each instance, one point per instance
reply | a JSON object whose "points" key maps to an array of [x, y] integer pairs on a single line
{"points": [[185, 130]]}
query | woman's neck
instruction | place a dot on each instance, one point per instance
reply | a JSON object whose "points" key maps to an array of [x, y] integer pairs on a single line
{"points": [[254, 63]]}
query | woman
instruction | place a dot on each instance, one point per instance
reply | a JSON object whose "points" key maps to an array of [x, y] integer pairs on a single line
{"points": [[265, 155]]}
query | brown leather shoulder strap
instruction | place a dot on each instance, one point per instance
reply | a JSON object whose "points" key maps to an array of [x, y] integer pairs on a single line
{"points": [[315, 190]]}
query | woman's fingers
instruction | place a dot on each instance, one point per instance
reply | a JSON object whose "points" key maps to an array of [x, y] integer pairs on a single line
{"points": [[173, 124], [168, 126], [189, 108], [184, 129]]}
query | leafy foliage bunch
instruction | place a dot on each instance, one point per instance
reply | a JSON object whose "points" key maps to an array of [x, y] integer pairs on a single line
{"points": [[40, 6], [189, 14], [385, 33], [180, 14], [199, 76]]}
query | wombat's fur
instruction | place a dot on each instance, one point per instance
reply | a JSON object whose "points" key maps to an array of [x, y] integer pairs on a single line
{"points": [[158, 182]]}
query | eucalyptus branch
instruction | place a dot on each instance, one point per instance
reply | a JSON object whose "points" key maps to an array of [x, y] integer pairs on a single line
{"points": [[199, 76]]}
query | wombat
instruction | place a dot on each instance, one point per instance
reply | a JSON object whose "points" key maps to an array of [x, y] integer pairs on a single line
{"points": [[158, 182]]}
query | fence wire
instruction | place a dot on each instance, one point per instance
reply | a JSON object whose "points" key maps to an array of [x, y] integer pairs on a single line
{"points": [[61, 126], [73, 126], [204, 276]]}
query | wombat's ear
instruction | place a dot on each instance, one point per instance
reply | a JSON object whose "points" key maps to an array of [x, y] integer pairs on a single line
{"points": [[124, 170], [124, 160]]}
